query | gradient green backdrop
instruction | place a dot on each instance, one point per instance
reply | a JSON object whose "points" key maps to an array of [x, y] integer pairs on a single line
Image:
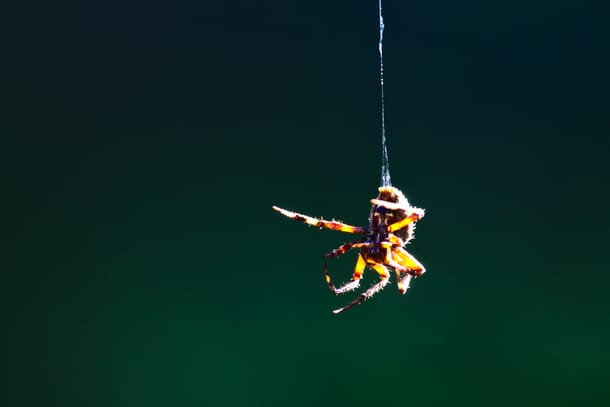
{"points": [[146, 142]]}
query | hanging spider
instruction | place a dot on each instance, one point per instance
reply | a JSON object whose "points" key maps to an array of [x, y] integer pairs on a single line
{"points": [[391, 226]]}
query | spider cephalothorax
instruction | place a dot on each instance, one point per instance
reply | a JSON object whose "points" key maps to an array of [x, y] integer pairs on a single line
{"points": [[391, 226]]}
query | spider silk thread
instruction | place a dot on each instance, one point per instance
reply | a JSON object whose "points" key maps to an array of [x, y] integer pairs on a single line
{"points": [[385, 161]]}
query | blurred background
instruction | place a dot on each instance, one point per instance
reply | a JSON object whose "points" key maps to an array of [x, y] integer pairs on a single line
{"points": [[145, 142]]}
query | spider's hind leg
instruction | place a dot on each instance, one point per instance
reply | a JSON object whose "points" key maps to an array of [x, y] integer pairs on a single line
{"points": [[403, 281], [385, 279], [357, 244], [406, 266], [350, 285]]}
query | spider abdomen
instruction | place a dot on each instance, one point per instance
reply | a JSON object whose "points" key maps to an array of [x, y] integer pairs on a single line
{"points": [[391, 207]]}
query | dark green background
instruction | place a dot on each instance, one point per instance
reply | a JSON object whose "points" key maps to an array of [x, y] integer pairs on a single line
{"points": [[144, 144]]}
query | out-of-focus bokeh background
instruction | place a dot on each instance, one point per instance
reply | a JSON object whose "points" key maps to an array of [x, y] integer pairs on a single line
{"points": [[144, 144]]}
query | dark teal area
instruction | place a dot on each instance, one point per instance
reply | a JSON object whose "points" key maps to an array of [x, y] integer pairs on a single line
{"points": [[144, 144]]}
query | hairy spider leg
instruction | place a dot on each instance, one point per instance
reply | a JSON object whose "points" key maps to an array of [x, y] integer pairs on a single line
{"points": [[403, 277], [414, 217], [350, 285], [357, 244], [405, 263], [409, 262], [395, 240], [403, 282], [321, 223], [385, 278]]}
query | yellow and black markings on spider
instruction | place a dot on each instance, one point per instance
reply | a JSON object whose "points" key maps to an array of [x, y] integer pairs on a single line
{"points": [[391, 226]]}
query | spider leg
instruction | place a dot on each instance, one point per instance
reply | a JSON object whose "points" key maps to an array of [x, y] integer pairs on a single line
{"points": [[350, 285], [414, 217], [357, 244], [385, 278], [406, 266], [321, 223], [395, 240]]}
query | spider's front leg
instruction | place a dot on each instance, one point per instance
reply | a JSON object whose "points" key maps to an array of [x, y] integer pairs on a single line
{"points": [[385, 279], [321, 223]]}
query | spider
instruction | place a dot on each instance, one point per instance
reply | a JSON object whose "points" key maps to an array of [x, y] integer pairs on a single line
{"points": [[391, 226]]}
